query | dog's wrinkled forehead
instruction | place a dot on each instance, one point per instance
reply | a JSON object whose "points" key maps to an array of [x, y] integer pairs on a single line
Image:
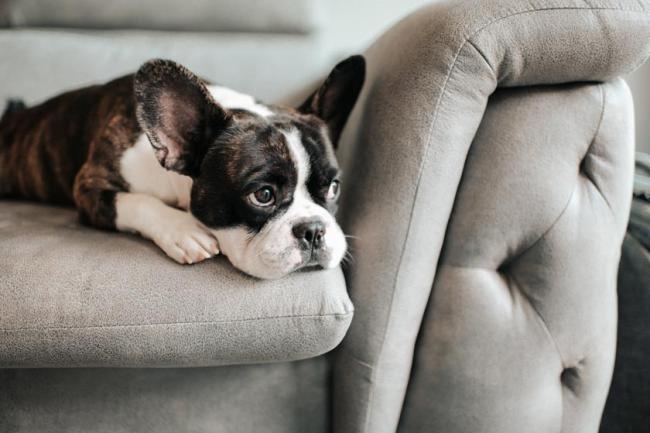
{"points": [[286, 141], [273, 147]]}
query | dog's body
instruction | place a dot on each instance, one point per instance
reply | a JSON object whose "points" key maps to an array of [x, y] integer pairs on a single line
{"points": [[196, 168]]}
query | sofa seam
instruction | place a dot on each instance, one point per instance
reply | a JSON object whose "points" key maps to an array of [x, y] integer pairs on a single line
{"points": [[347, 354], [512, 276], [483, 56], [585, 173], [426, 154], [546, 330], [540, 316], [468, 267], [565, 207], [549, 229], [180, 323]]}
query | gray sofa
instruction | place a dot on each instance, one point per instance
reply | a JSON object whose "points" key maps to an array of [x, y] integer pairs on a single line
{"points": [[488, 175]]}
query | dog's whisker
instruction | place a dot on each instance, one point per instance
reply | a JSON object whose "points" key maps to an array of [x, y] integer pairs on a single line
{"points": [[348, 257]]}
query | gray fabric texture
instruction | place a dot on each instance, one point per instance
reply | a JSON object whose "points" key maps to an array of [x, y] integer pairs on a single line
{"points": [[287, 16], [76, 296], [404, 150], [429, 79], [270, 398], [45, 62], [520, 330]]}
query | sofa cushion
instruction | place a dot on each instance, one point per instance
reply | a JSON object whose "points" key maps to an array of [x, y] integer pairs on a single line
{"points": [[76, 296], [60, 60], [281, 397], [286, 16]]}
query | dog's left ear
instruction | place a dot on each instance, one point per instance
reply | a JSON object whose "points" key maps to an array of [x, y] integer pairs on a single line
{"points": [[335, 98], [178, 114]]}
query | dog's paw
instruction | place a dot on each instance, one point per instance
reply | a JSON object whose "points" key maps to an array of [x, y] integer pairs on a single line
{"points": [[186, 240]]}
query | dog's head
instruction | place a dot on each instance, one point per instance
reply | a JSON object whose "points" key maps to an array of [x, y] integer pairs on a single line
{"points": [[265, 178]]}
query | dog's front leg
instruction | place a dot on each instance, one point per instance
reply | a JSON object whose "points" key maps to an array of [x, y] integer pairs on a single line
{"points": [[103, 202], [178, 233]]}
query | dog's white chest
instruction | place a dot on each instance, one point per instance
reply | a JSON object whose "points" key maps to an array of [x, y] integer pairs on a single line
{"points": [[140, 168]]}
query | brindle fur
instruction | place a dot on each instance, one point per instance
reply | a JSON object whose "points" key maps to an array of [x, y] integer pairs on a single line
{"points": [[66, 150]]}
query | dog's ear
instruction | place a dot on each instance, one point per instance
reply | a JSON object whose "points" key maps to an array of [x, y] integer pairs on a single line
{"points": [[335, 98], [176, 111]]}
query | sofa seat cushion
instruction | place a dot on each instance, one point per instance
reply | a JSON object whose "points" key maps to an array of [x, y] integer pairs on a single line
{"points": [[284, 16], [76, 296]]}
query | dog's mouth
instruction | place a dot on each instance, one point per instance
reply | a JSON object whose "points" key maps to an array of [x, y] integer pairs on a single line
{"points": [[273, 254], [311, 258], [309, 261], [310, 268]]}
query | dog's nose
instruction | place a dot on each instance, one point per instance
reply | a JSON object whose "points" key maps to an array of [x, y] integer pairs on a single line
{"points": [[310, 233]]}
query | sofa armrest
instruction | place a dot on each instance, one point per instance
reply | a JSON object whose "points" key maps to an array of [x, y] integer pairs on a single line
{"points": [[429, 79], [73, 296]]}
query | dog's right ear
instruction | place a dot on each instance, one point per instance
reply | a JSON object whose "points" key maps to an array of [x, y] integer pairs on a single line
{"points": [[336, 97], [178, 114]]}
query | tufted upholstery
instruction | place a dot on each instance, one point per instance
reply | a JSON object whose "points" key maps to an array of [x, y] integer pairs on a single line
{"points": [[501, 214], [520, 329], [411, 133]]}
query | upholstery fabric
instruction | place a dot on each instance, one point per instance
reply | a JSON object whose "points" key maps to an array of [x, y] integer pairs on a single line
{"points": [[288, 16], [641, 194], [59, 60], [76, 296], [404, 150], [628, 403], [429, 79], [270, 398], [520, 330]]}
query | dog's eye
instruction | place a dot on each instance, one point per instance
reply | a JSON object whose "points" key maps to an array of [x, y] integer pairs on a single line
{"points": [[263, 197], [333, 191]]}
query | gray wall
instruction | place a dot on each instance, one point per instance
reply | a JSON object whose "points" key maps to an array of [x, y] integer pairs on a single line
{"points": [[353, 25]]}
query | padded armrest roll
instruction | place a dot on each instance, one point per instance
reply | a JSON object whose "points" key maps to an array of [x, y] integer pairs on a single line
{"points": [[428, 82], [72, 296]]}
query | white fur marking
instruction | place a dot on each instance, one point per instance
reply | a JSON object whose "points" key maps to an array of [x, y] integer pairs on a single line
{"points": [[181, 236], [300, 158], [140, 168], [304, 206], [274, 251], [229, 98]]}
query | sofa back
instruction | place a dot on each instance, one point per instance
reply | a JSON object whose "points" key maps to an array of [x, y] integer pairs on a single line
{"points": [[280, 16]]}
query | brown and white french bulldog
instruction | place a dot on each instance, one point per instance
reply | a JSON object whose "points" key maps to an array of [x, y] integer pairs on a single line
{"points": [[198, 169]]}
